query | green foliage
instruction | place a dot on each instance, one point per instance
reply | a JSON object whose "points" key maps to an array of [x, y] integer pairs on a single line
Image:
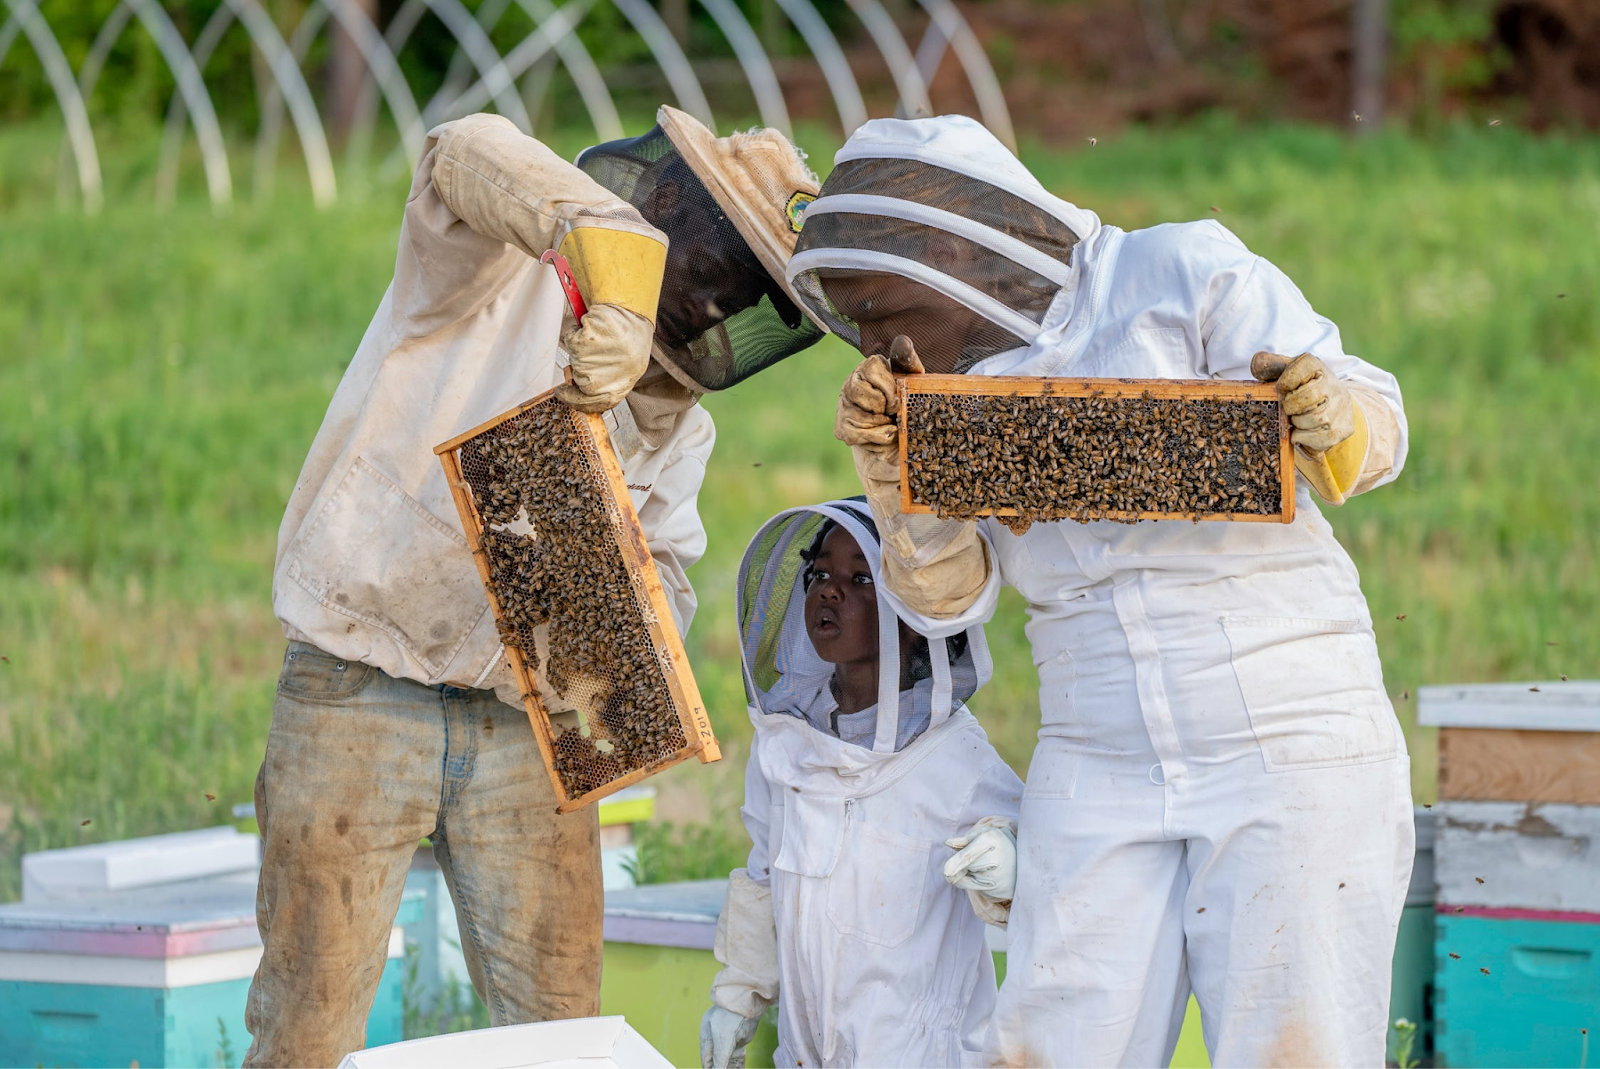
{"points": [[137, 85], [1450, 46], [163, 374], [136, 81], [224, 1047], [669, 853], [455, 1007], [1405, 1036]]}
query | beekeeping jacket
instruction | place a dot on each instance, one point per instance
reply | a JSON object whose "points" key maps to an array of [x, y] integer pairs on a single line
{"points": [[1220, 776], [843, 913], [372, 564]]}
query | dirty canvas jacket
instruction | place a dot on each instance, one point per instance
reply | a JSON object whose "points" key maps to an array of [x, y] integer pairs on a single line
{"points": [[372, 564]]}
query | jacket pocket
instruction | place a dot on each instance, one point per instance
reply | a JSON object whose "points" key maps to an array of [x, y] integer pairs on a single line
{"points": [[1058, 684], [1313, 690], [374, 554], [311, 675], [876, 892]]}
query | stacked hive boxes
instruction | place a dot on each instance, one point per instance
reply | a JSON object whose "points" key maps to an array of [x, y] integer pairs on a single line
{"points": [[141, 952], [1517, 962]]}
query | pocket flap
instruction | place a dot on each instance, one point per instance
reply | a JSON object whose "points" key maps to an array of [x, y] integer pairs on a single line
{"points": [[812, 834]]}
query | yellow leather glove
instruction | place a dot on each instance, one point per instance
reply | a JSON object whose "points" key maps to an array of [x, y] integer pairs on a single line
{"points": [[1318, 404], [937, 567], [608, 351], [868, 407], [619, 274], [1329, 428]]}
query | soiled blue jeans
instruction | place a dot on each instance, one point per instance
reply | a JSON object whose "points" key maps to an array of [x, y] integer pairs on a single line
{"points": [[359, 767]]}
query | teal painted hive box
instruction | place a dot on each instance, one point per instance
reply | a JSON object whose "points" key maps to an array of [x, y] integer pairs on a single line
{"points": [[1540, 991], [155, 976]]}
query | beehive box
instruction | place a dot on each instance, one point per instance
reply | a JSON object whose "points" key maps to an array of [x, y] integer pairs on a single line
{"points": [[1510, 991], [576, 596], [1523, 859], [1094, 449], [1517, 742]]}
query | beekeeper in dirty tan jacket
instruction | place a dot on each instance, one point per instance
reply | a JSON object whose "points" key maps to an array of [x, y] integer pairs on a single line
{"points": [[396, 714]]}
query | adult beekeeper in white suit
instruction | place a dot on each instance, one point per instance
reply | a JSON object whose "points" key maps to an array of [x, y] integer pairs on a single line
{"points": [[865, 770], [1220, 797], [397, 716]]}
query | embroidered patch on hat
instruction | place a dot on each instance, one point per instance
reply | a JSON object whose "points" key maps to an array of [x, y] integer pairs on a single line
{"points": [[796, 210]]}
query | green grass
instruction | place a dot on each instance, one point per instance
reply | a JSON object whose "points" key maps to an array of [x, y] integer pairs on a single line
{"points": [[162, 374]]}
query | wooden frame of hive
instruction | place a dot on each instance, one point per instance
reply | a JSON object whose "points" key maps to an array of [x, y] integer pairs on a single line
{"points": [[679, 680], [1132, 389]]}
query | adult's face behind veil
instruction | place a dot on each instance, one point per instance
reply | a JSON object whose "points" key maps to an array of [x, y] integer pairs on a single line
{"points": [[711, 274], [949, 337]]}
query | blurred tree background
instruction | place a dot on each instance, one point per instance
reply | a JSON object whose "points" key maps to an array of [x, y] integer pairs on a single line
{"points": [[1070, 68]]}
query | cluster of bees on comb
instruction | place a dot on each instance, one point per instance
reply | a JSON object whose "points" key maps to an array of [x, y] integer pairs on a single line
{"points": [[568, 576], [1091, 458]]}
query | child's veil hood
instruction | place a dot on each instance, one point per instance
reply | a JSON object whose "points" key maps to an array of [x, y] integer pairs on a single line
{"points": [[782, 670]]}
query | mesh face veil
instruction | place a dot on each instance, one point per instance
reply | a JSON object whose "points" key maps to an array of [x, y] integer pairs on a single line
{"points": [[726, 206], [932, 229], [783, 672]]}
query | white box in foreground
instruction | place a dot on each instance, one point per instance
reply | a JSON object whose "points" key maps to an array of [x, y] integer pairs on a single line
{"points": [[588, 1042]]}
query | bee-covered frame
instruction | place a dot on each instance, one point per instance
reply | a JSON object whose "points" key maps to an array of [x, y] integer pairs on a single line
{"points": [[700, 741], [1130, 389]]}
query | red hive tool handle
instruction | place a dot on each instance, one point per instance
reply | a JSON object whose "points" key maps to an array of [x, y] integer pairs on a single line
{"points": [[568, 282]]}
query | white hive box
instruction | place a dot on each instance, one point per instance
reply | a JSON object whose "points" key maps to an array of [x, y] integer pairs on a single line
{"points": [[1520, 857], [62, 875], [589, 1042]]}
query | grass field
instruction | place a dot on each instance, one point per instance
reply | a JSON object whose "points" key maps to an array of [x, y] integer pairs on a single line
{"points": [[162, 374]]}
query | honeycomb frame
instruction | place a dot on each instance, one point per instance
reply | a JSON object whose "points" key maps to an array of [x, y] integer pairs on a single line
{"points": [[1130, 390], [626, 536]]}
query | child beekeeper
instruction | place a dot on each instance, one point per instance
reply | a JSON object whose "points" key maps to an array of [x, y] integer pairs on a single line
{"points": [[865, 771]]}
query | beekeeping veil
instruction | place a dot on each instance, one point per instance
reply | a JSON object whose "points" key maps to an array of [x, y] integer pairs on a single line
{"points": [[782, 670], [733, 210], [942, 204]]}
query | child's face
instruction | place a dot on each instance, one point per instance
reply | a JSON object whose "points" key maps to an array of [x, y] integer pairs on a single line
{"points": [[842, 602]]}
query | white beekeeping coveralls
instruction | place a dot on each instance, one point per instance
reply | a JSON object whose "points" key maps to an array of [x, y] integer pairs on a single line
{"points": [[879, 962], [1220, 797]]}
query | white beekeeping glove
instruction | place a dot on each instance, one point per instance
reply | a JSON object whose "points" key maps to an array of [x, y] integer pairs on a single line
{"points": [[723, 1038], [985, 866]]}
